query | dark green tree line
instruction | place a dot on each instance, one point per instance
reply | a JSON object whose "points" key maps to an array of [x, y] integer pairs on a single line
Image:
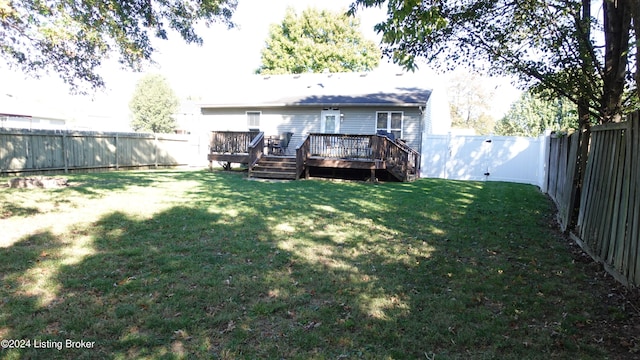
{"points": [[531, 115]]}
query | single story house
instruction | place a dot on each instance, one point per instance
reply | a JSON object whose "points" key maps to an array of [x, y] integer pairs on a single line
{"points": [[20, 113], [21, 121], [402, 106]]}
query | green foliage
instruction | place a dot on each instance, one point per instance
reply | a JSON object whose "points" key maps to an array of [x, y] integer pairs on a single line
{"points": [[531, 116], [544, 43], [73, 37], [316, 41], [153, 105]]}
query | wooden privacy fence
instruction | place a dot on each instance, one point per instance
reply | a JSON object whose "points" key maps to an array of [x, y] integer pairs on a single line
{"points": [[563, 152], [41, 151], [608, 224]]}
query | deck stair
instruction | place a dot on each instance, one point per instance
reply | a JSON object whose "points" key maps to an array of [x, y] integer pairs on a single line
{"points": [[274, 167], [401, 174]]}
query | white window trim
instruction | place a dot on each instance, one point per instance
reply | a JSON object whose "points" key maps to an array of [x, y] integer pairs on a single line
{"points": [[250, 126], [337, 113], [388, 128]]}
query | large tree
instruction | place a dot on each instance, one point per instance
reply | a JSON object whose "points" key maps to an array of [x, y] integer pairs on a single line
{"points": [[470, 103], [552, 45], [153, 105], [73, 37], [635, 13], [317, 41]]}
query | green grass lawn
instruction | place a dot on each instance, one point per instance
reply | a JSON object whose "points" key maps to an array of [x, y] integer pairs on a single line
{"points": [[175, 265]]}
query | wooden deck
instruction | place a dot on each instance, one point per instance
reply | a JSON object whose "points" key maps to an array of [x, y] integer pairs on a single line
{"points": [[329, 151]]}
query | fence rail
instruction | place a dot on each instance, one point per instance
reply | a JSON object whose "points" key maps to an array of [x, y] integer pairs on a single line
{"points": [[42, 151]]}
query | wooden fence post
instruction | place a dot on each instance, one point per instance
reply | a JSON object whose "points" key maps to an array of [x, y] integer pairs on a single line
{"points": [[65, 159], [116, 152], [633, 255], [155, 145]]}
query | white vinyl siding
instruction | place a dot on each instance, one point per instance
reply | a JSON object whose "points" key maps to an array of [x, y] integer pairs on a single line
{"points": [[304, 120]]}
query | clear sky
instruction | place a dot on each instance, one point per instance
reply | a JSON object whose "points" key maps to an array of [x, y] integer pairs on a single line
{"points": [[227, 54]]}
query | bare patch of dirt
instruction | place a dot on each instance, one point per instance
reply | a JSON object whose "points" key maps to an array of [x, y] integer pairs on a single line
{"points": [[37, 182]]}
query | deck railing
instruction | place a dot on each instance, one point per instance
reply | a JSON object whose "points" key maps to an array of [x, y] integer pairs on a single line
{"points": [[256, 150], [341, 146], [230, 142], [302, 154], [394, 156], [398, 158], [403, 157]]}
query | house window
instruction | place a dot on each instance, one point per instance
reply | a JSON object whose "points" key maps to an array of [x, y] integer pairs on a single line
{"points": [[253, 119], [390, 121]]}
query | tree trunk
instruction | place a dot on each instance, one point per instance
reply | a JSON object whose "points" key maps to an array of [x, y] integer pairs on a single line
{"points": [[635, 13], [584, 113], [617, 25]]}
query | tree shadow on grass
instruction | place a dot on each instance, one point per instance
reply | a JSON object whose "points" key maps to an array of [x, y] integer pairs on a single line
{"points": [[308, 269], [9, 210], [96, 184], [142, 288], [207, 279]]}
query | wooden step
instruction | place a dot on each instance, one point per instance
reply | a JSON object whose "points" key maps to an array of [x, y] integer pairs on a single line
{"points": [[278, 165], [266, 174], [412, 177], [274, 167], [277, 160], [399, 174]]}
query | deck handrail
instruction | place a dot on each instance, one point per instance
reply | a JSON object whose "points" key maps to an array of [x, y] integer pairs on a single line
{"points": [[394, 156], [256, 150], [302, 154], [230, 142], [403, 157], [397, 156], [342, 146]]}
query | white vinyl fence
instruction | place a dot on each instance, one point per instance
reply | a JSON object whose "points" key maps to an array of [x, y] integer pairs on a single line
{"points": [[486, 158]]}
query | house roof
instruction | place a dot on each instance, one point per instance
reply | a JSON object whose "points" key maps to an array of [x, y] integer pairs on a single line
{"points": [[326, 90], [28, 108]]}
